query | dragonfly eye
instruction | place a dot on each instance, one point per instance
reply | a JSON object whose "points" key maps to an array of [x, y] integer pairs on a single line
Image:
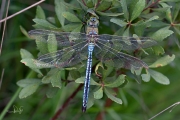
{"points": [[93, 19]]}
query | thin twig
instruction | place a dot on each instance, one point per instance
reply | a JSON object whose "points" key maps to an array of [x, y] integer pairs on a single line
{"points": [[84, 2], [151, 5], [35, 4], [2, 74], [4, 27], [66, 102], [172, 106]]}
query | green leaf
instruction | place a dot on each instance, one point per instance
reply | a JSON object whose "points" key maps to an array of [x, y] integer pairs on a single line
{"points": [[109, 14], [99, 93], [112, 97], [52, 43], [71, 17], [138, 8], [72, 26], [107, 71], [59, 9], [82, 5], [162, 61], [28, 90], [176, 11], [158, 50], [45, 24], [119, 81], [71, 6], [104, 5], [56, 79], [52, 91], [25, 54], [118, 22], [158, 77], [50, 76], [28, 81], [162, 33], [81, 80], [31, 64], [42, 46], [168, 12], [78, 29], [24, 31], [40, 13], [146, 77], [126, 32], [124, 8], [99, 65], [89, 3], [90, 101]]}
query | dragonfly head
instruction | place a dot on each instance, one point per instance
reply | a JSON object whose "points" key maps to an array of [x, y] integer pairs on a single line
{"points": [[93, 22]]}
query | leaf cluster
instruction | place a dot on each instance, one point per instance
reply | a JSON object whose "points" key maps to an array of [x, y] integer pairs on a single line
{"points": [[158, 20]]}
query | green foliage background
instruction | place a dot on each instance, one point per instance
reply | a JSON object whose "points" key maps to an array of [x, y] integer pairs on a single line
{"points": [[159, 19]]}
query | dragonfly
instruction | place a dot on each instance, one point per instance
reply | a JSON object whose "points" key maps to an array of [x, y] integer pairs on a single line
{"points": [[73, 48]]}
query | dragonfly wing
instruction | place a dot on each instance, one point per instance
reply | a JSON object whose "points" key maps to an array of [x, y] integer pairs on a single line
{"points": [[62, 38], [64, 58], [126, 43], [109, 55]]}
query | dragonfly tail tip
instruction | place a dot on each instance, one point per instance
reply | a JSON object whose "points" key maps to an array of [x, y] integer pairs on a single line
{"points": [[83, 109]]}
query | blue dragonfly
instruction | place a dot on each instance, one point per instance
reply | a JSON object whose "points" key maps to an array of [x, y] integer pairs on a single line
{"points": [[73, 48]]}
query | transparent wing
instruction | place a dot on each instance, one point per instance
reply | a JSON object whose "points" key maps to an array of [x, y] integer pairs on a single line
{"points": [[107, 54], [64, 58], [71, 48], [62, 38], [126, 43]]}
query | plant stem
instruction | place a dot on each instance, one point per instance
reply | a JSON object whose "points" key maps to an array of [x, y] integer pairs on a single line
{"points": [[66, 102], [13, 98]]}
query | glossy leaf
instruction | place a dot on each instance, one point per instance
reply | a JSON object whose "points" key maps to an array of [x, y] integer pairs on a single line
{"points": [[70, 17], [52, 43], [146, 77], [162, 33], [159, 77], [71, 6], [119, 81], [28, 81], [56, 79], [124, 8], [45, 23], [25, 54], [112, 97], [104, 5], [81, 80], [168, 12], [28, 90], [118, 22], [82, 5], [40, 13], [162, 61], [138, 8], [78, 29], [158, 50], [99, 93], [50, 76], [71, 27], [24, 31], [59, 9], [109, 14]]}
